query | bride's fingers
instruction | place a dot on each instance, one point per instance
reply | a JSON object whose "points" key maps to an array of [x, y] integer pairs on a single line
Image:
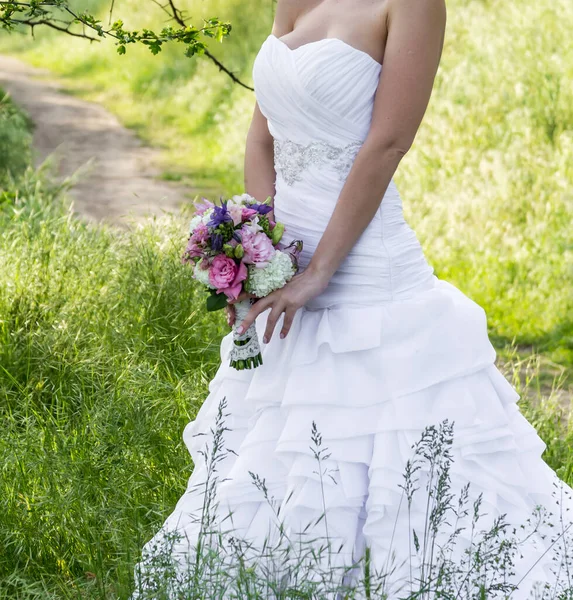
{"points": [[257, 308], [276, 312], [231, 315], [287, 323]]}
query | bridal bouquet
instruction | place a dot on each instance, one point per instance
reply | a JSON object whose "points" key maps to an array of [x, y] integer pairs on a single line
{"points": [[235, 247]]}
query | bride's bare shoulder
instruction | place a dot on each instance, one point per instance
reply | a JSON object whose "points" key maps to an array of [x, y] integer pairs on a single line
{"points": [[417, 9]]}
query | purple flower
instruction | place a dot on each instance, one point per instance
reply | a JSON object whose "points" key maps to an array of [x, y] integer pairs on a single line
{"points": [[262, 209], [217, 242], [220, 215]]}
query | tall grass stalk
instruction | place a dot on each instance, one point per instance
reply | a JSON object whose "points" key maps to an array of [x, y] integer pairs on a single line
{"points": [[444, 567]]}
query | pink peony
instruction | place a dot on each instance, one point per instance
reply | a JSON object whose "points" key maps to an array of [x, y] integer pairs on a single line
{"points": [[258, 248], [227, 276], [193, 250]]}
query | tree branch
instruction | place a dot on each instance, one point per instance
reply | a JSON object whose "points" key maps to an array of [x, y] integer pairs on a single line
{"points": [[178, 17], [39, 13], [177, 14], [223, 68], [112, 6], [32, 23]]}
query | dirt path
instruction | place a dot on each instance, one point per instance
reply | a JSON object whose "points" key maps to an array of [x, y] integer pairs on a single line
{"points": [[120, 180]]}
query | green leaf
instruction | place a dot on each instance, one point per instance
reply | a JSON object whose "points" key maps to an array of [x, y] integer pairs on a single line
{"points": [[121, 49], [216, 302]]}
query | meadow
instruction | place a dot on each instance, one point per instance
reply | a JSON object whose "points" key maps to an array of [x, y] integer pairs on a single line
{"points": [[105, 352]]}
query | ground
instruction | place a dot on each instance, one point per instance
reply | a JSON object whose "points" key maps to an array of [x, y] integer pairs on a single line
{"points": [[117, 173]]}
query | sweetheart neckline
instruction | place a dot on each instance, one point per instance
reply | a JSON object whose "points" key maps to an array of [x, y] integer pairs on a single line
{"points": [[328, 39]]}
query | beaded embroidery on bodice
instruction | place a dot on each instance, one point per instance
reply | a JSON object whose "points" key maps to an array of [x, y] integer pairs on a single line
{"points": [[292, 159]]}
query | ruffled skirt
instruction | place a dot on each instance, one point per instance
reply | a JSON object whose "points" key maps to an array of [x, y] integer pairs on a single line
{"points": [[316, 442]]}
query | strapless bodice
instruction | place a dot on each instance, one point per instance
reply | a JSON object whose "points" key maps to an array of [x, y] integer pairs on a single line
{"points": [[318, 101], [322, 90]]}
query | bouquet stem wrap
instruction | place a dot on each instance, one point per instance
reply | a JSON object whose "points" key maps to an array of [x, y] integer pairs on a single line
{"points": [[246, 350]]}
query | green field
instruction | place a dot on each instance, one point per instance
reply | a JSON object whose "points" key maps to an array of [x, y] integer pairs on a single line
{"points": [[105, 352], [105, 355]]}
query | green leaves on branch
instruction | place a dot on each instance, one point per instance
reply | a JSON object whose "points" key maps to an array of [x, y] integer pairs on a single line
{"points": [[57, 14], [189, 36]]}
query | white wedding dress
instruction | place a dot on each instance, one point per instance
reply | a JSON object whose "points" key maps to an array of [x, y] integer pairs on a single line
{"points": [[387, 350]]}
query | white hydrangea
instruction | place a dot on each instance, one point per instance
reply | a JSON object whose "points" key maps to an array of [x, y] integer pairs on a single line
{"points": [[261, 282], [202, 275], [195, 222]]}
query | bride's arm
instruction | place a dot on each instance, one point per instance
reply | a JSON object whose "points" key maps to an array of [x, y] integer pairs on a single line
{"points": [[260, 172], [415, 38], [259, 158], [411, 58]]}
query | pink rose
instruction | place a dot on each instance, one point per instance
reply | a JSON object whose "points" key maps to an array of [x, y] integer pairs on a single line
{"points": [[226, 276], [258, 248]]}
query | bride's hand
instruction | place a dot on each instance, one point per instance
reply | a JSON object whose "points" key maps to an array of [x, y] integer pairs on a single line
{"points": [[296, 293]]}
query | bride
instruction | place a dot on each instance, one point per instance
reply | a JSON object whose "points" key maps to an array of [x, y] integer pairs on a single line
{"points": [[365, 347]]}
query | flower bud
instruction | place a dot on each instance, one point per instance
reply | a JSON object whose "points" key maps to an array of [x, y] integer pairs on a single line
{"points": [[277, 233], [228, 250], [239, 251]]}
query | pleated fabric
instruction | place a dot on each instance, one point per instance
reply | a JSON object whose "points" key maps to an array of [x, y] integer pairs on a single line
{"points": [[385, 351]]}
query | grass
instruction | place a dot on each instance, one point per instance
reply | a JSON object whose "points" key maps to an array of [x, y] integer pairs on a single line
{"points": [[105, 353], [15, 140], [96, 385], [436, 516]]}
